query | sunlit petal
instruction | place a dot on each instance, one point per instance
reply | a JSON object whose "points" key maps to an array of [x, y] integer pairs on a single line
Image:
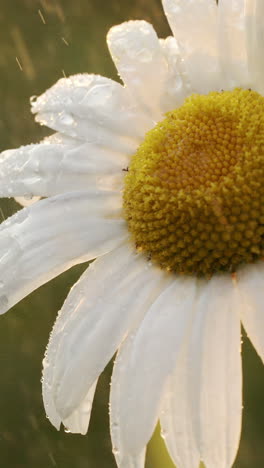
{"points": [[45, 239]]}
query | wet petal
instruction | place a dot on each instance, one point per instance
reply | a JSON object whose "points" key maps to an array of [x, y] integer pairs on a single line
{"points": [[78, 421], [254, 11], [48, 169], [47, 238], [215, 374], [120, 450], [176, 416], [232, 43], [176, 87], [142, 65], [94, 109], [251, 284], [145, 361], [107, 300], [198, 49], [133, 461]]}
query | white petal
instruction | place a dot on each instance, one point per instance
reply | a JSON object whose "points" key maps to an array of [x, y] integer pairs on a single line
{"points": [[232, 43], [215, 383], [78, 421], [49, 169], [60, 139], [140, 61], [176, 87], [251, 286], [145, 361], [120, 450], [92, 108], [45, 239], [193, 23], [100, 309], [176, 416], [254, 11], [132, 461]]}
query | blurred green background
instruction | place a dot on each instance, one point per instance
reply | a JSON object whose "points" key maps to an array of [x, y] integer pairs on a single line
{"points": [[40, 41]]}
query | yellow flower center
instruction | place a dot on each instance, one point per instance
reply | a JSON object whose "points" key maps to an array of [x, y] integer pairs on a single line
{"points": [[194, 192]]}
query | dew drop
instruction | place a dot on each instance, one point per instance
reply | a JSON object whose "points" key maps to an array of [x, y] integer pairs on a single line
{"points": [[115, 451], [163, 434], [67, 119], [33, 99], [145, 55], [45, 363]]}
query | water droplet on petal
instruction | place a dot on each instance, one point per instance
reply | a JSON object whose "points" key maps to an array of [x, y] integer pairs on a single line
{"points": [[145, 55], [115, 451], [67, 119], [33, 99]]}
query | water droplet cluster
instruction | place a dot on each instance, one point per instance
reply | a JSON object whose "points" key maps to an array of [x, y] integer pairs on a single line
{"points": [[194, 193]]}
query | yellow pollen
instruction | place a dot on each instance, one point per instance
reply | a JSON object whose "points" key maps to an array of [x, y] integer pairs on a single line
{"points": [[194, 192]]}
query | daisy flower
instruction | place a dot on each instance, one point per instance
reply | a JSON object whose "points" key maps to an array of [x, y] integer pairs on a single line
{"points": [[161, 180]]}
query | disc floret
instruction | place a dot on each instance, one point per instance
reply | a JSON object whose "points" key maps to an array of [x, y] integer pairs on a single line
{"points": [[194, 193]]}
